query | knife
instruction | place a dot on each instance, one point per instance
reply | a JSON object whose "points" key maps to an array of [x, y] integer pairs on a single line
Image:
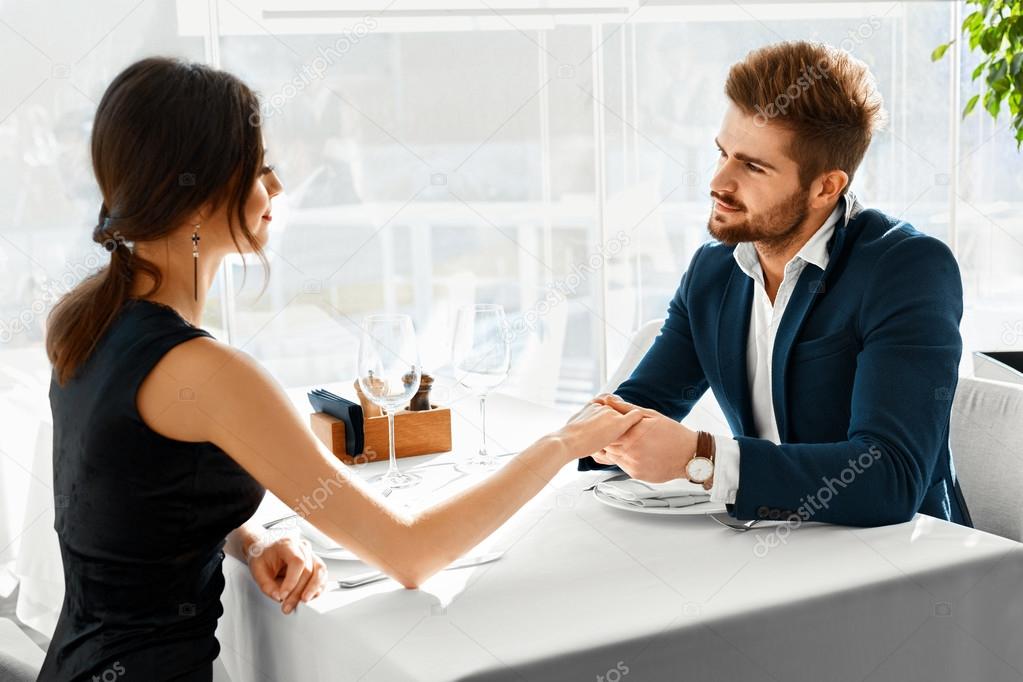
{"points": [[361, 579]]}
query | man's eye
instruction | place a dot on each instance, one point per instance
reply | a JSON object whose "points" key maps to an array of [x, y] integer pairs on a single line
{"points": [[753, 168]]}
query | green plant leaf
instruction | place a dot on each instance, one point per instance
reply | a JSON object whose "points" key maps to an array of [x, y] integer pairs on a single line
{"points": [[992, 103], [993, 30], [939, 51], [997, 72], [990, 39], [970, 105], [1016, 65], [973, 20]]}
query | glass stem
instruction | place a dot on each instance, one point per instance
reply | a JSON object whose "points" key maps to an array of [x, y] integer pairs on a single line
{"points": [[483, 421], [392, 467]]}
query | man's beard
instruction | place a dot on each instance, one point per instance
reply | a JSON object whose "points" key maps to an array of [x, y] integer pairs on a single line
{"points": [[773, 229]]}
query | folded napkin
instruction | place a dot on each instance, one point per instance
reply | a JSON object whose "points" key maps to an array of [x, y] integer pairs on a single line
{"points": [[672, 494]]}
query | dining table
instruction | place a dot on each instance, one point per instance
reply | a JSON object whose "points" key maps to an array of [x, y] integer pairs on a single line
{"points": [[586, 590]]}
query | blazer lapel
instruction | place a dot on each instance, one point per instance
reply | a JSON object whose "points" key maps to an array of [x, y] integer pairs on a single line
{"points": [[811, 285], [732, 333]]}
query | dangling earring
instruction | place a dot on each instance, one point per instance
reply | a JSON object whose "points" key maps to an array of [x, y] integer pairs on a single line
{"points": [[195, 261]]}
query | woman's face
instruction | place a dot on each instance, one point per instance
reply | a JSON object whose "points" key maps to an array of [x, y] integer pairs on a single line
{"points": [[259, 207]]}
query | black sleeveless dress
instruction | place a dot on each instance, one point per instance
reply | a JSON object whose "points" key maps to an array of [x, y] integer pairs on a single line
{"points": [[141, 518]]}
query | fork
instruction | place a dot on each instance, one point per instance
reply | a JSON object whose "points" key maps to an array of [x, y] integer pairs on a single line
{"points": [[740, 527]]}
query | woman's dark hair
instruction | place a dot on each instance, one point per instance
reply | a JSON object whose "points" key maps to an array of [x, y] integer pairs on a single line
{"points": [[169, 136]]}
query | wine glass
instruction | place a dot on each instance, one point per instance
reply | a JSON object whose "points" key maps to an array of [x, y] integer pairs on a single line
{"points": [[389, 374], [481, 356]]}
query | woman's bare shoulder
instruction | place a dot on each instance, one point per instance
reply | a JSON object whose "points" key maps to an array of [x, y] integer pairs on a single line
{"points": [[193, 381]]}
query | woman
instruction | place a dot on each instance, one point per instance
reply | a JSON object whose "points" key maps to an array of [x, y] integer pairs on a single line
{"points": [[165, 438]]}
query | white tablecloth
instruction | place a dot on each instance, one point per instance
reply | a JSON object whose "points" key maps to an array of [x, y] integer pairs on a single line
{"points": [[589, 592]]}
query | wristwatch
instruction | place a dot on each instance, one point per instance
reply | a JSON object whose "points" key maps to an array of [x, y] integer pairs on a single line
{"points": [[700, 469]]}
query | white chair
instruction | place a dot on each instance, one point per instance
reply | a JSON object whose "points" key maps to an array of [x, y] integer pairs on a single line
{"points": [[639, 344], [20, 658], [706, 414], [986, 438]]}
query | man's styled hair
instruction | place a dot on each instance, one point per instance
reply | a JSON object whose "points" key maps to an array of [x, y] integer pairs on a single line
{"points": [[824, 95]]}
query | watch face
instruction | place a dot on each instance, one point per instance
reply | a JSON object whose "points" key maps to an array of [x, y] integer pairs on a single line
{"points": [[699, 469]]}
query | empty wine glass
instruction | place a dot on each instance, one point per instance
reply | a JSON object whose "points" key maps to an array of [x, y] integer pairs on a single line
{"points": [[389, 374], [481, 356]]}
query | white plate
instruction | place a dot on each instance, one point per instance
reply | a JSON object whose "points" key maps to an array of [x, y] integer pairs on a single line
{"points": [[698, 509]]}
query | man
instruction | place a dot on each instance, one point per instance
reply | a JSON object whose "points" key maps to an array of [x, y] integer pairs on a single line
{"points": [[829, 333]]}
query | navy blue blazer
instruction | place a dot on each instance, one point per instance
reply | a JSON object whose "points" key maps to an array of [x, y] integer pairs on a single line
{"points": [[865, 366]]}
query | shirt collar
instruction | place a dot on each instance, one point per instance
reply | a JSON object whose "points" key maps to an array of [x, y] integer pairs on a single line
{"points": [[815, 250]]}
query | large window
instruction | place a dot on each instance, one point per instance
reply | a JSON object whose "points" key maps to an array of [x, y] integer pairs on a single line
{"points": [[552, 157]]}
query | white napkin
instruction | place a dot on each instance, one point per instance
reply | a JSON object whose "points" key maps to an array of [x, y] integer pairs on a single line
{"points": [[677, 493]]}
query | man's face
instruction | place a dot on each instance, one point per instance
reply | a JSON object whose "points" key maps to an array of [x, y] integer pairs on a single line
{"points": [[756, 189]]}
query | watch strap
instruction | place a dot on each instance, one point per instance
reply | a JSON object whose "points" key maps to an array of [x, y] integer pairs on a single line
{"points": [[705, 448]]}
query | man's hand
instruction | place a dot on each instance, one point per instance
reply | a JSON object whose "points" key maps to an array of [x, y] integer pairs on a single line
{"points": [[594, 426], [657, 449]]}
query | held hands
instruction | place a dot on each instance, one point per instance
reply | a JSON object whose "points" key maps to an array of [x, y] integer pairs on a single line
{"points": [[656, 449], [287, 571], [594, 426]]}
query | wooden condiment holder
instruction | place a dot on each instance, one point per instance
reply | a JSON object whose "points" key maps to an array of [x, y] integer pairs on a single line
{"points": [[423, 432]]}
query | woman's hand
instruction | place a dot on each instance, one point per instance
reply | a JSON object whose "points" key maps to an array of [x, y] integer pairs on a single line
{"points": [[287, 571], [595, 426], [657, 450]]}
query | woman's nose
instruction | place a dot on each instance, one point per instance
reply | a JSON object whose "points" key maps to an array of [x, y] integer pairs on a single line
{"points": [[273, 184]]}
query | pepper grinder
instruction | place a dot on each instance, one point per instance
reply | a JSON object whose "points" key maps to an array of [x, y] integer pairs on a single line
{"points": [[421, 400], [369, 408]]}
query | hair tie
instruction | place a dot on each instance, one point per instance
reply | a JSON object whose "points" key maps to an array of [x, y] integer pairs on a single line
{"points": [[102, 235]]}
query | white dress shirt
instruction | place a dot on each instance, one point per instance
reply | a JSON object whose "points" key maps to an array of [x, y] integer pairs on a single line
{"points": [[764, 321]]}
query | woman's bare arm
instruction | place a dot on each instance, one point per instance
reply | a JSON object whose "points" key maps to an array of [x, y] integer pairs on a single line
{"points": [[237, 405]]}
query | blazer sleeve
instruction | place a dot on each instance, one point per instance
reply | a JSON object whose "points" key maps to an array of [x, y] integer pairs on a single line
{"points": [[906, 375], [669, 378]]}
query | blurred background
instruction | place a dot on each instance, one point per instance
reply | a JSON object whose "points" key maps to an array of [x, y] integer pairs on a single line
{"points": [[552, 156]]}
